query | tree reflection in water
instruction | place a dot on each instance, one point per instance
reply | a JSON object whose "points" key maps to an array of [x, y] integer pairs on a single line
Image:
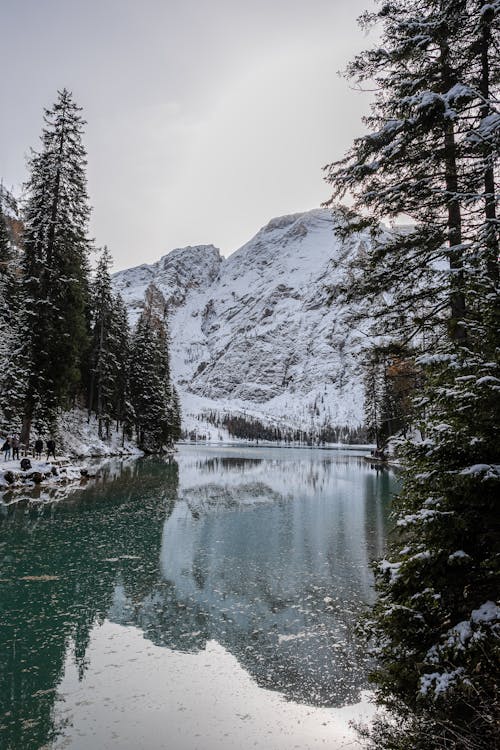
{"points": [[268, 556]]}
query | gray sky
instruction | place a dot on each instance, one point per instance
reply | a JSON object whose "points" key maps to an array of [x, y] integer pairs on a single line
{"points": [[206, 118]]}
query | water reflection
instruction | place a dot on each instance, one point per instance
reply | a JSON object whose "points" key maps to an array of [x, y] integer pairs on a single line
{"points": [[267, 556], [271, 559], [59, 567]]}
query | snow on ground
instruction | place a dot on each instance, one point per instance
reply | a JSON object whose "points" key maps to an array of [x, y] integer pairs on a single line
{"points": [[48, 469], [77, 441], [79, 436], [286, 412], [44, 480]]}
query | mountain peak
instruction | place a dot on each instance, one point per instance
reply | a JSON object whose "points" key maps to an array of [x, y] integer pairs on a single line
{"points": [[252, 334]]}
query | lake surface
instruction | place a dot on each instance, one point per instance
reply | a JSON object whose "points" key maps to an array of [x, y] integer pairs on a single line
{"points": [[207, 602]]}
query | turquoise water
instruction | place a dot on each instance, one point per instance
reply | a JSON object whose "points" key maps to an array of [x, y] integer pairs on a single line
{"points": [[130, 606]]}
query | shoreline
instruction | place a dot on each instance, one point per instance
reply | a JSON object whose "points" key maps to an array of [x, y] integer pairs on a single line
{"points": [[76, 471], [44, 474]]}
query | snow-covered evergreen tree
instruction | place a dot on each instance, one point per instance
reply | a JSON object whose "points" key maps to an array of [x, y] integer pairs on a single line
{"points": [[373, 405], [432, 154], [104, 362], [9, 339], [175, 418], [425, 155], [109, 388], [151, 393], [55, 267], [5, 253], [120, 338]]}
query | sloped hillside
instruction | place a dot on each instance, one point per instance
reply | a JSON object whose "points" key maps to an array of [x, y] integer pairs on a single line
{"points": [[253, 334]]}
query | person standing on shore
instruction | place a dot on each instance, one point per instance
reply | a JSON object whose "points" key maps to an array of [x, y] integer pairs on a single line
{"points": [[38, 448], [15, 447], [6, 449], [51, 448]]}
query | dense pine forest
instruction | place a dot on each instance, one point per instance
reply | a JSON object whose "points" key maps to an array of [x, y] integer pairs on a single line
{"points": [[65, 342], [431, 154]]}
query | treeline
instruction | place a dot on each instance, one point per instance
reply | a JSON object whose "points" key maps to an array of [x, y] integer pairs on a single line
{"points": [[431, 154], [391, 378], [251, 428], [65, 341]]}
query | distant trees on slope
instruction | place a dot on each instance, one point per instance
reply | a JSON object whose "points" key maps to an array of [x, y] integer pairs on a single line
{"points": [[246, 427], [391, 378], [431, 153], [64, 335]]}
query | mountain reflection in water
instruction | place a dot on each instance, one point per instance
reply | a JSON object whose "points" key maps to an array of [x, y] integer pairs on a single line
{"points": [[266, 552]]}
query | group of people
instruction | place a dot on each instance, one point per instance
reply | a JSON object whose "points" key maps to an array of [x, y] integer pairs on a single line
{"points": [[12, 445]]}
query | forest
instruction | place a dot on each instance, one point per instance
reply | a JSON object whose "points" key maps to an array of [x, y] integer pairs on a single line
{"points": [[65, 341]]}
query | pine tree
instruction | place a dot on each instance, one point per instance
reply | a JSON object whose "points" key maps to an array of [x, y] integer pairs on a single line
{"points": [[431, 154], [175, 417], [9, 342], [5, 253], [151, 394], [6, 272], [103, 363], [120, 338], [55, 267], [108, 392], [373, 390], [419, 158]]}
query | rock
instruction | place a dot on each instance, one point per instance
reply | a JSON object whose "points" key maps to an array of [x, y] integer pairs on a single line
{"points": [[260, 326], [9, 477], [37, 477], [25, 464]]}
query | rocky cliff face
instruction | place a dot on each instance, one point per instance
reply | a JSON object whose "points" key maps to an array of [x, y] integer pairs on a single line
{"points": [[253, 334]]}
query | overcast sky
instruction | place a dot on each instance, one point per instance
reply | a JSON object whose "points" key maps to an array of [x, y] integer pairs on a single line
{"points": [[206, 118]]}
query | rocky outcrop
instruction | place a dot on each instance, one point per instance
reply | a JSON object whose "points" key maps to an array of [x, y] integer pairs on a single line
{"points": [[257, 333]]}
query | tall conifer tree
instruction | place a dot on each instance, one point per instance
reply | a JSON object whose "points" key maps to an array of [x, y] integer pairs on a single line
{"points": [[103, 367], [432, 154], [5, 253], [9, 337], [55, 266], [154, 402], [108, 381]]}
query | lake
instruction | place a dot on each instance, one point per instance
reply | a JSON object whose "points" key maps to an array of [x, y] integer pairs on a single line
{"points": [[205, 602]]}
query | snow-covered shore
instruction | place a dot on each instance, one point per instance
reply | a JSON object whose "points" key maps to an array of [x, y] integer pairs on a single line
{"points": [[78, 445], [79, 438], [12, 475], [50, 481], [43, 481]]}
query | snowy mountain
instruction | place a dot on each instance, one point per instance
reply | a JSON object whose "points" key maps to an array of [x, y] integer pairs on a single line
{"points": [[253, 334]]}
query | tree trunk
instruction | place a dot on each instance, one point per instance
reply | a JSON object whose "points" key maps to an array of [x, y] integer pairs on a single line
{"points": [[489, 175], [26, 429], [99, 375], [91, 394], [455, 252]]}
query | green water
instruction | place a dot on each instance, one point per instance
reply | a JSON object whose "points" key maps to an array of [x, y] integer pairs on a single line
{"points": [[255, 560]]}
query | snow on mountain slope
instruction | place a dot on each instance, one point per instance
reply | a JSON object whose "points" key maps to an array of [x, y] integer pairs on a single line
{"points": [[179, 275], [253, 334]]}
